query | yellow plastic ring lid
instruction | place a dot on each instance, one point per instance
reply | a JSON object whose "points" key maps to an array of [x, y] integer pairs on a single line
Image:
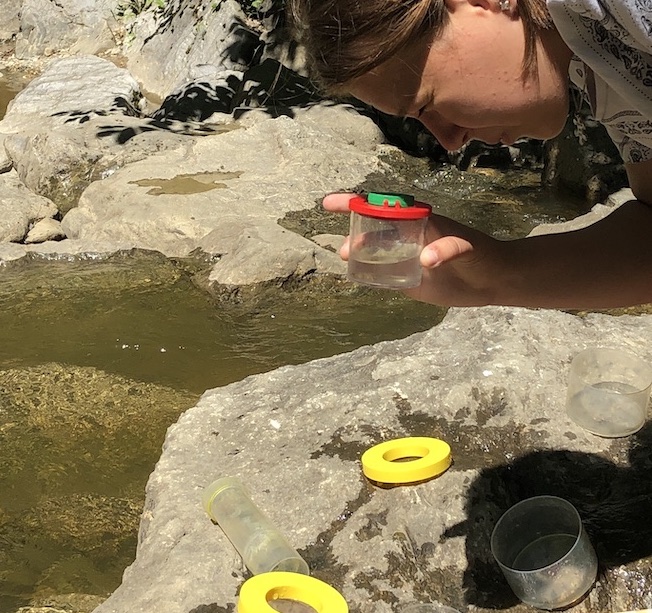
{"points": [[257, 592], [424, 458]]}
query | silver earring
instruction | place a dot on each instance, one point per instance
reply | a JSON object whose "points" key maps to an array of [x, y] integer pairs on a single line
{"points": [[504, 5]]}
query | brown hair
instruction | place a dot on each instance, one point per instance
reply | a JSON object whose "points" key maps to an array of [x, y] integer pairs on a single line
{"points": [[345, 39]]}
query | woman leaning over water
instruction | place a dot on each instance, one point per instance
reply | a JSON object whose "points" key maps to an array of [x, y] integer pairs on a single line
{"points": [[496, 71]]}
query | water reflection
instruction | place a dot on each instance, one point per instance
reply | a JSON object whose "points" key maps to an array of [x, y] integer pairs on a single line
{"points": [[144, 318]]}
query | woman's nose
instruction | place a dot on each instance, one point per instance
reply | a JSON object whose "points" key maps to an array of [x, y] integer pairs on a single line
{"points": [[449, 136]]}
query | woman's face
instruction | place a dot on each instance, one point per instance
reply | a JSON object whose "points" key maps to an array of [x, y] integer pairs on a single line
{"points": [[468, 84]]}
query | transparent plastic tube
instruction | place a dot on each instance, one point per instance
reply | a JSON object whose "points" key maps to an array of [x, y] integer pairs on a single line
{"points": [[262, 547]]}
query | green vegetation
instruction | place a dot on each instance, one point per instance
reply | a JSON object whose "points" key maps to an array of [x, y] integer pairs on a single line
{"points": [[131, 8]]}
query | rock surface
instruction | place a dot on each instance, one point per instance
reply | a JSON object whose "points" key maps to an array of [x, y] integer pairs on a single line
{"points": [[75, 26], [489, 381]]}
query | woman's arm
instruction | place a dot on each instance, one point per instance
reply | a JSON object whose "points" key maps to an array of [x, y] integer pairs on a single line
{"points": [[605, 265]]}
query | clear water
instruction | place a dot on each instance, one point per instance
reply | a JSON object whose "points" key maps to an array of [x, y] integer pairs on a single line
{"points": [[560, 587], [609, 409], [396, 269], [544, 551], [10, 85]]}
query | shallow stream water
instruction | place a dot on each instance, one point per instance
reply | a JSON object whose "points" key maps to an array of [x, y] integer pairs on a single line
{"points": [[10, 84], [98, 358]]}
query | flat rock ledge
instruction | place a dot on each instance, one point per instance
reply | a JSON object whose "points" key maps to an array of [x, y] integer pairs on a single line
{"points": [[490, 381]]}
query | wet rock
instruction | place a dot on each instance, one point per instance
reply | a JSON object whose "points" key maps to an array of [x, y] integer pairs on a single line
{"points": [[597, 212], [490, 381]]}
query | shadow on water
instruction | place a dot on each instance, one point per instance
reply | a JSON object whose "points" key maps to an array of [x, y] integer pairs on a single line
{"points": [[614, 499]]}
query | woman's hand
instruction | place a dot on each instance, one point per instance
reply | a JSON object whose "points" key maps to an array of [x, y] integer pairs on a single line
{"points": [[460, 265]]}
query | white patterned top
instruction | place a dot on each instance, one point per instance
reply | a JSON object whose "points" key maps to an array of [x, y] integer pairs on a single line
{"points": [[612, 42]]}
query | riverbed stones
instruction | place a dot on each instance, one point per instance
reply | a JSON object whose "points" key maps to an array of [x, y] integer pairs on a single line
{"points": [[60, 427], [20, 208], [490, 381]]}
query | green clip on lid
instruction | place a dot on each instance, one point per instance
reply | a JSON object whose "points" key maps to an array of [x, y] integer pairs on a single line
{"points": [[389, 206], [401, 200]]}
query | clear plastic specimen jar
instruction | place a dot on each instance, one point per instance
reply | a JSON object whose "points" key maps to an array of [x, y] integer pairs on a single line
{"points": [[386, 238], [544, 552], [608, 391], [262, 547]]}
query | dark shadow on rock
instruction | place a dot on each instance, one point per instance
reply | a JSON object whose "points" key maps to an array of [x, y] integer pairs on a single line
{"points": [[270, 87], [277, 90], [615, 503], [123, 134], [213, 608], [198, 100], [120, 105]]}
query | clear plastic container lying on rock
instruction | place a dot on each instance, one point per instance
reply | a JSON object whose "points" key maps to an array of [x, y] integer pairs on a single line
{"points": [[387, 236], [262, 547]]}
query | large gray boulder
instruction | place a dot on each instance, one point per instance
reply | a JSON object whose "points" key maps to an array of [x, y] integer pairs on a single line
{"points": [[9, 19], [490, 381], [74, 26], [182, 43], [52, 133], [70, 90]]}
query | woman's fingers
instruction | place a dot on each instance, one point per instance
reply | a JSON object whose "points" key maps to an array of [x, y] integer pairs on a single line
{"points": [[444, 250], [344, 249], [337, 203]]}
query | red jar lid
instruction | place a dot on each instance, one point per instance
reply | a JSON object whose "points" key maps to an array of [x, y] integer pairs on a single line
{"points": [[389, 206]]}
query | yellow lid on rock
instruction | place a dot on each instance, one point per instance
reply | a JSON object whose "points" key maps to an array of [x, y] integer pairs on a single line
{"points": [[256, 593], [422, 458]]}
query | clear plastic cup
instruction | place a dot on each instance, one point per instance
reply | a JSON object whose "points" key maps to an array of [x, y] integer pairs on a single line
{"points": [[544, 552], [387, 234], [608, 391], [262, 547]]}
